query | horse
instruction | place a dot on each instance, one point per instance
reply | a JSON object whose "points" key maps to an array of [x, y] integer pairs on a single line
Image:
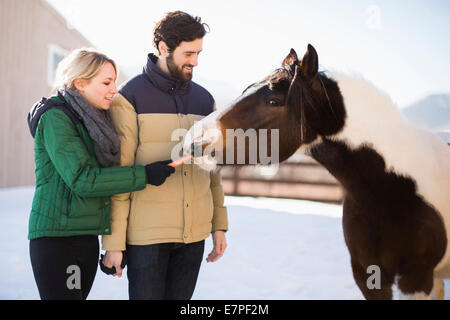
{"points": [[395, 177]]}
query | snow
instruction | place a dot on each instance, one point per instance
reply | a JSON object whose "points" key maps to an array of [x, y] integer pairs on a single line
{"points": [[277, 249]]}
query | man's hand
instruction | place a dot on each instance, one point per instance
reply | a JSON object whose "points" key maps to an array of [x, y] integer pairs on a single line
{"points": [[114, 259], [220, 244]]}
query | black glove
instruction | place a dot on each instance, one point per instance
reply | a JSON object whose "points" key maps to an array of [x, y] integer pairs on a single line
{"points": [[157, 172], [113, 269]]}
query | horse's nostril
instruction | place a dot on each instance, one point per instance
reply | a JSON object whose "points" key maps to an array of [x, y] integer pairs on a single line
{"points": [[196, 149]]}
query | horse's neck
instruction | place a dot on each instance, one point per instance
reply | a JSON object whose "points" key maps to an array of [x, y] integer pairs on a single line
{"points": [[364, 102], [377, 150], [372, 119], [337, 159], [356, 170], [370, 116]]}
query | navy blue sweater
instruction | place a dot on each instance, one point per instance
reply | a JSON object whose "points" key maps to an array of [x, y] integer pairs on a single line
{"points": [[153, 91]]}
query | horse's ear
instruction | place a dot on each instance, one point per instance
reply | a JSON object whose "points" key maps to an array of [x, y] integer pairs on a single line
{"points": [[290, 59], [309, 64]]}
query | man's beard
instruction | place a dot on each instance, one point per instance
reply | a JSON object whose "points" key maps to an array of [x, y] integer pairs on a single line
{"points": [[176, 71]]}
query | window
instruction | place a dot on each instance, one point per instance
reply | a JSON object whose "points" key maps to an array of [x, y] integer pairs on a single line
{"points": [[55, 55]]}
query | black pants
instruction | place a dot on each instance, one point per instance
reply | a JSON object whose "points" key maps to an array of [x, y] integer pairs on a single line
{"points": [[163, 271], [64, 267]]}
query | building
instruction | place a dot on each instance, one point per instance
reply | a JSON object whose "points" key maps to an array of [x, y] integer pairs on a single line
{"points": [[34, 37]]}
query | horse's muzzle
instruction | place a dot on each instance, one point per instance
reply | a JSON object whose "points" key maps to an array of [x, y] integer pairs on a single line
{"points": [[196, 150]]}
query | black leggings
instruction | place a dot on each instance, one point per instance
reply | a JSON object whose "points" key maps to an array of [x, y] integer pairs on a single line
{"points": [[64, 267]]}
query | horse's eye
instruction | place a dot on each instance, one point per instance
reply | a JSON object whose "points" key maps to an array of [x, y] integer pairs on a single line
{"points": [[274, 103]]}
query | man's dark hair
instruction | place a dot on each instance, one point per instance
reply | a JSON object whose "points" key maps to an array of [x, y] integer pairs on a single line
{"points": [[176, 27]]}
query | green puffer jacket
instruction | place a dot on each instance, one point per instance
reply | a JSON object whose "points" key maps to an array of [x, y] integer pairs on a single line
{"points": [[73, 192]]}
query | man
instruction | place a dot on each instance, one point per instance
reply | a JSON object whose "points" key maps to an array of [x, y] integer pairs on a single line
{"points": [[163, 228]]}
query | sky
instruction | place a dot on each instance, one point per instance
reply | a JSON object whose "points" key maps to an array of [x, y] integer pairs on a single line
{"points": [[400, 46]]}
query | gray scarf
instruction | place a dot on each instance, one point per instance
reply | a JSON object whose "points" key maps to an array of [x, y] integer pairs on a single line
{"points": [[99, 126]]}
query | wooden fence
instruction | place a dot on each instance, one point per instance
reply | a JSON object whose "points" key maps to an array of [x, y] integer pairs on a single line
{"points": [[300, 177]]}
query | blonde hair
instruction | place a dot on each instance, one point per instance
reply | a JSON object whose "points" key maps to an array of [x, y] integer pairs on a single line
{"points": [[82, 63]]}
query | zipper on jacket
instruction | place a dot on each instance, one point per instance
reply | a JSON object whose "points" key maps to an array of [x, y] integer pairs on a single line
{"points": [[181, 122], [69, 209], [180, 125]]}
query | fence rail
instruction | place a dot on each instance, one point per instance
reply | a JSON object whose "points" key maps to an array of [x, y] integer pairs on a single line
{"points": [[298, 178]]}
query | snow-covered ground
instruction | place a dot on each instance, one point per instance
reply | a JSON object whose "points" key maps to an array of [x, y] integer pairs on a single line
{"points": [[277, 249]]}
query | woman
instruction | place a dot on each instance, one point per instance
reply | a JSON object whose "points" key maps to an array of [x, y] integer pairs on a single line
{"points": [[77, 153]]}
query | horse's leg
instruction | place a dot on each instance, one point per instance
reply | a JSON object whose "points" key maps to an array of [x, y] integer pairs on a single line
{"points": [[438, 292], [416, 285], [361, 276], [358, 233]]}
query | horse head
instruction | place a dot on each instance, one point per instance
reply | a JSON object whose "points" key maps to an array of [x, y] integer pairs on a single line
{"points": [[296, 101]]}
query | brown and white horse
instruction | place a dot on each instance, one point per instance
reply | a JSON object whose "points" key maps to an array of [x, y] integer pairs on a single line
{"points": [[396, 211]]}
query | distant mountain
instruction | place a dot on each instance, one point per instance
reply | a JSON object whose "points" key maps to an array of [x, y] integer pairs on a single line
{"points": [[432, 112]]}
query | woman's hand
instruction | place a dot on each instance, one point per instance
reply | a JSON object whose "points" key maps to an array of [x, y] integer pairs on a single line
{"points": [[220, 244], [157, 172], [114, 259]]}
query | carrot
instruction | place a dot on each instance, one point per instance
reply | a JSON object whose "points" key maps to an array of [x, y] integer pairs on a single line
{"points": [[179, 161]]}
